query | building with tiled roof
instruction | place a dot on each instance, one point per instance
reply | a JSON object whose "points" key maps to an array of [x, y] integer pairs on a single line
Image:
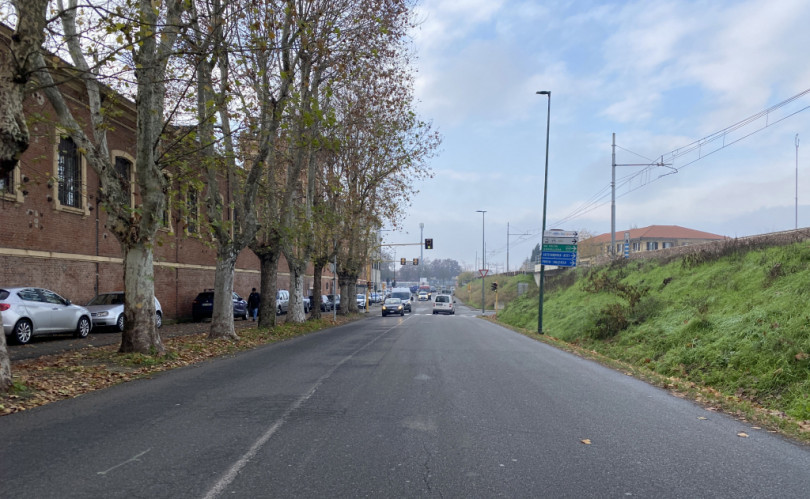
{"points": [[654, 237]]}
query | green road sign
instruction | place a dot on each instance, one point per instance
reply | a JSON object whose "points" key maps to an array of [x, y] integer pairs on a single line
{"points": [[560, 247]]}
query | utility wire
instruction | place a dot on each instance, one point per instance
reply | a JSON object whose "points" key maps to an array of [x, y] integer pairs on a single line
{"points": [[645, 175]]}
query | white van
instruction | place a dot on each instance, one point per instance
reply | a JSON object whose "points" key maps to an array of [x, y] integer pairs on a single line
{"points": [[403, 294]]}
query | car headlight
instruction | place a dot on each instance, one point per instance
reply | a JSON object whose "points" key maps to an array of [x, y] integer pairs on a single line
{"points": [[102, 314]]}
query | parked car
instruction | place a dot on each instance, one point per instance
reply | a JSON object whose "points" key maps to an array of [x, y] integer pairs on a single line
{"points": [[29, 312], [282, 301], [107, 310], [335, 300], [403, 294], [443, 304], [307, 305], [361, 300], [326, 305], [203, 306], [393, 306]]}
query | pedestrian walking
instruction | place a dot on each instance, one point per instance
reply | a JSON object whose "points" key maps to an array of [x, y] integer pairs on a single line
{"points": [[254, 300]]}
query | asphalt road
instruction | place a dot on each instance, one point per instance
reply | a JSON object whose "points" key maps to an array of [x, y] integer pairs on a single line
{"points": [[420, 406]]}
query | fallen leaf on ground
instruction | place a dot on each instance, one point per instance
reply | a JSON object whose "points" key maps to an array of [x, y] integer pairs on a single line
{"points": [[742, 434], [586, 441]]}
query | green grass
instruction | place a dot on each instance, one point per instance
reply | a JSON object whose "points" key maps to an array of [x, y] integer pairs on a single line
{"points": [[738, 324]]}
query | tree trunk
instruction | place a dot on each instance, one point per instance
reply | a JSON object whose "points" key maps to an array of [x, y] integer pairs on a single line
{"points": [[269, 266], [295, 312], [140, 335], [348, 291], [222, 319], [317, 286], [5, 364]]}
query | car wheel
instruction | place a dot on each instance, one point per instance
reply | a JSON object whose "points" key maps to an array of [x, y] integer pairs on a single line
{"points": [[196, 318], [278, 310], [120, 323], [22, 332], [245, 317], [83, 329], [158, 320], [402, 314]]}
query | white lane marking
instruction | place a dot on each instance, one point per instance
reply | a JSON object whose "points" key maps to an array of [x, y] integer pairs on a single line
{"points": [[130, 460], [234, 470]]}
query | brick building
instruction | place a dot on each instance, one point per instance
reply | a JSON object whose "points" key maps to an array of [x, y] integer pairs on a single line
{"points": [[53, 232], [652, 238]]}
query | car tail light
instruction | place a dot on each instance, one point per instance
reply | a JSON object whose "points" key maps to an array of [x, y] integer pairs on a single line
{"points": [[4, 307]]}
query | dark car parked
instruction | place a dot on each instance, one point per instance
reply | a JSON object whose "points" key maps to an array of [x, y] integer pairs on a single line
{"points": [[203, 306], [326, 304]]}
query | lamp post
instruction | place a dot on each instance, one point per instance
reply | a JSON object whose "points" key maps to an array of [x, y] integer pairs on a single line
{"points": [[483, 258], [796, 226], [545, 200], [421, 251]]}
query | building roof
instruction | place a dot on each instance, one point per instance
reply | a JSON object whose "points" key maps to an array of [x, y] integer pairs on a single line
{"points": [[658, 232]]}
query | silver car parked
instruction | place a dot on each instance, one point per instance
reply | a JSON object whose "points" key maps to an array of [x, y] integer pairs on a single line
{"points": [[107, 309], [29, 312]]}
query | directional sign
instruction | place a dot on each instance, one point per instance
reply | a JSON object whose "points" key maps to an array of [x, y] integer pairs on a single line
{"points": [[549, 259], [559, 240], [568, 255], [560, 247], [560, 233]]}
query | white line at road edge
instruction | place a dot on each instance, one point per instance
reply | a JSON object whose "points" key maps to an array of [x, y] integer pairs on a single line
{"points": [[234, 470]]}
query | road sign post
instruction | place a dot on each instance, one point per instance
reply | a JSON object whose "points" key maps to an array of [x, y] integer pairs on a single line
{"points": [[559, 248]]}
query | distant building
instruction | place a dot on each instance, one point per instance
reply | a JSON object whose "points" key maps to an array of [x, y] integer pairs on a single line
{"points": [[652, 238]]}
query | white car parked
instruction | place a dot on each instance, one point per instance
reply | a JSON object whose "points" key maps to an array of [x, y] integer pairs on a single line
{"points": [[107, 309], [29, 312]]}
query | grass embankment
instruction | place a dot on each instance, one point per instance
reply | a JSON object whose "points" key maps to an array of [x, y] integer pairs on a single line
{"points": [[470, 293], [734, 326]]}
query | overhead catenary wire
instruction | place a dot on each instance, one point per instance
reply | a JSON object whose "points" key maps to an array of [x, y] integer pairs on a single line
{"points": [[638, 179], [645, 176]]}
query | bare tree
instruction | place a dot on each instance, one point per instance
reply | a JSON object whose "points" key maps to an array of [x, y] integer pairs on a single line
{"points": [[16, 67], [149, 34]]}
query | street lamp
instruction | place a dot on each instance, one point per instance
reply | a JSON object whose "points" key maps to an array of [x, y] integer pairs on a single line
{"points": [[483, 259], [421, 251], [545, 200]]}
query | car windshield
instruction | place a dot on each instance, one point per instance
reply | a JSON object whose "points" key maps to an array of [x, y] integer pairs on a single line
{"points": [[107, 299], [403, 295], [393, 301]]}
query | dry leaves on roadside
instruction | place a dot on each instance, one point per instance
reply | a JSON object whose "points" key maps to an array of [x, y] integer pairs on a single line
{"points": [[56, 377]]}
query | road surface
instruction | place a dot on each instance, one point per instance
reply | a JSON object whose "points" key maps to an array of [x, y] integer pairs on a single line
{"points": [[420, 406]]}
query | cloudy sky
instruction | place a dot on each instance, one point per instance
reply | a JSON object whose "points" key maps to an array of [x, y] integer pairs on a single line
{"points": [[663, 75]]}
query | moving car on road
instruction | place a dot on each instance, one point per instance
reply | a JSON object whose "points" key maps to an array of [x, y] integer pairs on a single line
{"points": [[393, 306], [29, 312], [107, 310], [443, 304], [403, 294], [423, 296]]}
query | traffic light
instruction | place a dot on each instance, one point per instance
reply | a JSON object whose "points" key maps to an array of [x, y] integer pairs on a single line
{"points": [[402, 261], [494, 286], [429, 243], [416, 261]]}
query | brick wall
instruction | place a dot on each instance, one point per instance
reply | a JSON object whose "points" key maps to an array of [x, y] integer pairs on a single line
{"points": [[71, 251]]}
